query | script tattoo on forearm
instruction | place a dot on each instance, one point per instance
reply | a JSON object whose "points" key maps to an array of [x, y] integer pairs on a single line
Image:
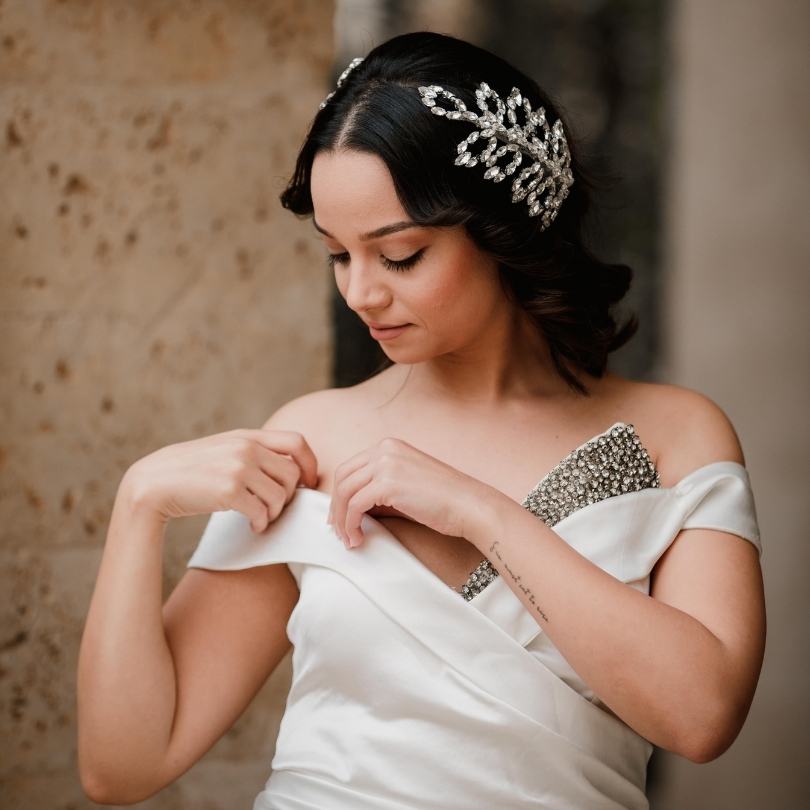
{"points": [[504, 566]]}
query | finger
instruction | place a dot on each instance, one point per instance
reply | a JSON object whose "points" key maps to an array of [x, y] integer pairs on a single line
{"points": [[280, 468], [344, 493], [347, 491], [290, 443], [272, 494], [253, 508], [343, 471], [363, 500]]}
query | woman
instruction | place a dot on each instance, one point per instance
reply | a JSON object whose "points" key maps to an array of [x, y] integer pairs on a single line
{"points": [[454, 651]]}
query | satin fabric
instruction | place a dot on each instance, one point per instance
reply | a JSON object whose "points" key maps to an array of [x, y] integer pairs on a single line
{"points": [[405, 695]]}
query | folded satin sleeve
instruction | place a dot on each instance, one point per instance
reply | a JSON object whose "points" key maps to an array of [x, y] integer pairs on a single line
{"points": [[716, 496], [228, 543], [720, 496]]}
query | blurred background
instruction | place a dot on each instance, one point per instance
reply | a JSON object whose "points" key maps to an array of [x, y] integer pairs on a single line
{"points": [[153, 290]]}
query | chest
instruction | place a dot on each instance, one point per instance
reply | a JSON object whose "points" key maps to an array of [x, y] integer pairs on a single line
{"points": [[551, 476]]}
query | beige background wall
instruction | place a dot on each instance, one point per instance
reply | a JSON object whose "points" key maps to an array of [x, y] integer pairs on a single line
{"points": [[152, 290], [737, 313]]}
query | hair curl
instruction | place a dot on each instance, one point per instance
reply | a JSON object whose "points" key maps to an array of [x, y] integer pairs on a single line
{"points": [[567, 292]]}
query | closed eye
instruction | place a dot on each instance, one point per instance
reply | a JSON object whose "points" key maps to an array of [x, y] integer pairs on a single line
{"points": [[404, 264]]}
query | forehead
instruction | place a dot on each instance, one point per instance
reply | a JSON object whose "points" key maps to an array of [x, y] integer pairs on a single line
{"points": [[353, 191]]}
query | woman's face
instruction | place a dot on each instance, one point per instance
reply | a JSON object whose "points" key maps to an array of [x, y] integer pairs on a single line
{"points": [[444, 288]]}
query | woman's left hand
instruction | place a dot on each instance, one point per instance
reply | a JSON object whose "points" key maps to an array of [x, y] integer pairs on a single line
{"points": [[393, 478]]}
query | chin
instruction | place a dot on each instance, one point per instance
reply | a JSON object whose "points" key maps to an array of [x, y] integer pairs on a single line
{"points": [[405, 354], [400, 355], [412, 357], [415, 351]]}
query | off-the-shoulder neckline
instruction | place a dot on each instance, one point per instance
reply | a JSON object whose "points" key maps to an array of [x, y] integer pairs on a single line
{"points": [[595, 438], [677, 488]]}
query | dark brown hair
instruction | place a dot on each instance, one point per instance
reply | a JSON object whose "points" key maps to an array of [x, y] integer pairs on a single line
{"points": [[552, 274]]}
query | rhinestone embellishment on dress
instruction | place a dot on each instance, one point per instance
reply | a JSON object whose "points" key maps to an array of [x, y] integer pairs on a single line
{"points": [[611, 463]]}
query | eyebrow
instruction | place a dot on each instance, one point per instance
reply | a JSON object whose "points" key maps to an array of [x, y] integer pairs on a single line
{"points": [[394, 227]]}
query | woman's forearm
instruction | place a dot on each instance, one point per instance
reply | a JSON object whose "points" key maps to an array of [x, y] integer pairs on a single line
{"points": [[125, 677], [658, 668]]}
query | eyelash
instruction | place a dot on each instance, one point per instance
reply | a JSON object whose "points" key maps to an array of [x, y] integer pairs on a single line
{"points": [[340, 258]]}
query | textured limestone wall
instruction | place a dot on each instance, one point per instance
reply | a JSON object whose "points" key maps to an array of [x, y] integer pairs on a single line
{"points": [[152, 290]]}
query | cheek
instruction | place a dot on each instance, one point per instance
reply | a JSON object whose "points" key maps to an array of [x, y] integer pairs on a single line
{"points": [[459, 297]]}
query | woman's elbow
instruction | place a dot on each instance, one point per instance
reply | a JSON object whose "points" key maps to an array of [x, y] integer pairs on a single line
{"points": [[106, 791], [715, 735]]}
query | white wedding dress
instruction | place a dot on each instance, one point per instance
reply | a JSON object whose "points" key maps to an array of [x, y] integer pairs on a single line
{"points": [[408, 695]]}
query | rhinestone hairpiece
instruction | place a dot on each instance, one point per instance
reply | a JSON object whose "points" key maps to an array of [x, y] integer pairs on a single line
{"points": [[551, 158], [342, 78]]}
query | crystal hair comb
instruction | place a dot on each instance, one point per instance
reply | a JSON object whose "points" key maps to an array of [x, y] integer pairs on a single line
{"points": [[550, 157]]}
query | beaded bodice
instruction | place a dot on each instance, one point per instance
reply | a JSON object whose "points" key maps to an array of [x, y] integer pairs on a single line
{"points": [[611, 463]]}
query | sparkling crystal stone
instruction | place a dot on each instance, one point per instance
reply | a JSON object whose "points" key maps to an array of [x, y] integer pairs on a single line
{"points": [[518, 138], [610, 464]]}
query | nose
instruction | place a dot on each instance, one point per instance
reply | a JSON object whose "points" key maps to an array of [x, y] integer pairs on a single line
{"points": [[366, 288]]}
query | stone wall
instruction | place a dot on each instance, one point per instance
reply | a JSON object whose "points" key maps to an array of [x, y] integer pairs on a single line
{"points": [[152, 290]]}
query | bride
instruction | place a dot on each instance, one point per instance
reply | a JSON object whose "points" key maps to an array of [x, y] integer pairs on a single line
{"points": [[450, 648]]}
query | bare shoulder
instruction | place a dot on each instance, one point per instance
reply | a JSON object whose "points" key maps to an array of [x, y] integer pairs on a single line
{"points": [[317, 410], [307, 411], [319, 416], [690, 429], [324, 409], [333, 421]]}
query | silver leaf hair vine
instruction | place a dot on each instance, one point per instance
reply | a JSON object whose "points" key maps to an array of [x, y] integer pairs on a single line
{"points": [[550, 157]]}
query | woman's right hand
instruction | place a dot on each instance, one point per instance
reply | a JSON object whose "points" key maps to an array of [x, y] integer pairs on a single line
{"points": [[254, 471]]}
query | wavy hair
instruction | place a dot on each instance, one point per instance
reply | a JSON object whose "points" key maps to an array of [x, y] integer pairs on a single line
{"points": [[552, 274]]}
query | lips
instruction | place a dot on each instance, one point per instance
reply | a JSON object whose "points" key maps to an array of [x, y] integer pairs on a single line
{"points": [[389, 332], [384, 325]]}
